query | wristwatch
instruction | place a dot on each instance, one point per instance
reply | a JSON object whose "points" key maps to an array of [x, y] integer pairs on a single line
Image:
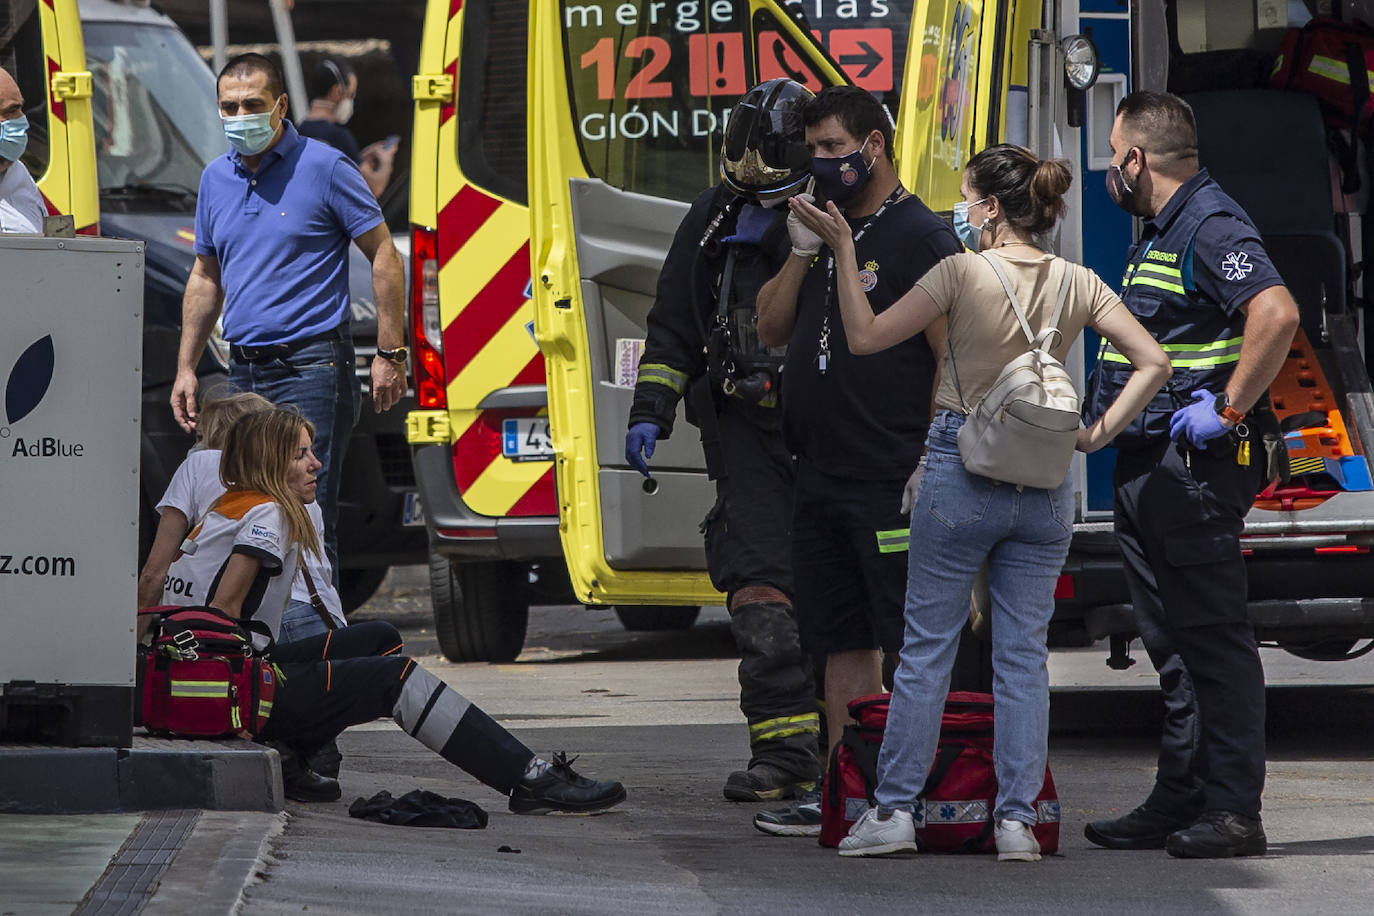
{"points": [[1226, 411], [398, 355]]}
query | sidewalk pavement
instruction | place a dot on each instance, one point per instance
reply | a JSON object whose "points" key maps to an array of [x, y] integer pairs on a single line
{"points": [[195, 861], [67, 843]]}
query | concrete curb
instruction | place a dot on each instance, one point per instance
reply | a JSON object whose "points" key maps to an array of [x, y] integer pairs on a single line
{"points": [[154, 774], [225, 854]]}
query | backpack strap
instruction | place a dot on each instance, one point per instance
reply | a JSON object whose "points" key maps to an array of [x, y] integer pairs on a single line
{"points": [[1038, 342], [1015, 303]]}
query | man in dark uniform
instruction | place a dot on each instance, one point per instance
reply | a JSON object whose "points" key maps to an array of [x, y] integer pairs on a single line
{"points": [[701, 343], [856, 424], [1188, 470]]}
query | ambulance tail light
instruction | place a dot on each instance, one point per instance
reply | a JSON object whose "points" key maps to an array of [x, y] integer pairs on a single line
{"points": [[427, 329]]}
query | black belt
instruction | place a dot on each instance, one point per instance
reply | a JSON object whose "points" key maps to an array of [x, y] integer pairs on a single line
{"points": [[243, 354]]}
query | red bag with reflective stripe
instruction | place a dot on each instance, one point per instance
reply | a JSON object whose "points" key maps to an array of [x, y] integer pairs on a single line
{"points": [[954, 813], [1333, 61], [202, 677]]}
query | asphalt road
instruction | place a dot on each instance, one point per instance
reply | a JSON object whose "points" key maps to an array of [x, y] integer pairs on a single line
{"points": [[657, 710]]}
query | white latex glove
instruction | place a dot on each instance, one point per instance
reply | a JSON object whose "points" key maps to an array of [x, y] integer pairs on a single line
{"points": [[913, 483], [805, 243]]}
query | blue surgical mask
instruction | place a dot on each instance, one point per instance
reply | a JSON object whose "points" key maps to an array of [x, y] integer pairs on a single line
{"points": [[250, 134], [14, 138], [971, 236], [841, 178]]}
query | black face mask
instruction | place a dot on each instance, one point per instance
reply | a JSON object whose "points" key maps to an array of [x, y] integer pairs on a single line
{"points": [[1121, 192], [841, 178]]}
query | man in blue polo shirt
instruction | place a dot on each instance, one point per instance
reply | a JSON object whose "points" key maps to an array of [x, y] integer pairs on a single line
{"points": [[273, 223]]}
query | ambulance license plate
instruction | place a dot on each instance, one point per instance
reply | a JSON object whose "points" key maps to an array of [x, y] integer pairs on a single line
{"points": [[526, 439], [413, 514]]}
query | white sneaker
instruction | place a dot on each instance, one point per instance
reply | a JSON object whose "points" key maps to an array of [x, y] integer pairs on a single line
{"points": [[875, 836], [1015, 842]]}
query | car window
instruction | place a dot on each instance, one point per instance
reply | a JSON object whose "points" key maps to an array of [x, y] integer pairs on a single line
{"points": [[153, 104]]}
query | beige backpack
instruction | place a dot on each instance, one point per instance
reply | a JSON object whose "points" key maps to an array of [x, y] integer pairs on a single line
{"points": [[1024, 429]]}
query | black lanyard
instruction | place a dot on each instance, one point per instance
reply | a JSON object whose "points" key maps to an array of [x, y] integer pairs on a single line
{"points": [[823, 356]]}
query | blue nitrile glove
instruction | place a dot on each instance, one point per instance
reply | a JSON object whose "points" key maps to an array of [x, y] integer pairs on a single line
{"points": [[1199, 422], [640, 438], [751, 224]]}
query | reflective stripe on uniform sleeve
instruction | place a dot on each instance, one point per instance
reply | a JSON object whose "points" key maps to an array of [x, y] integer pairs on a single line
{"points": [[1189, 356], [663, 375]]}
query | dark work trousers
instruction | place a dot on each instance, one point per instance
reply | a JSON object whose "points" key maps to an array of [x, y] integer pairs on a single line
{"points": [[354, 675], [1179, 515], [748, 552], [849, 551]]}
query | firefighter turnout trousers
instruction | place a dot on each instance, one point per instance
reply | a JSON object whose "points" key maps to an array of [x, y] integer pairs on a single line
{"points": [[748, 552], [355, 674], [1179, 515]]}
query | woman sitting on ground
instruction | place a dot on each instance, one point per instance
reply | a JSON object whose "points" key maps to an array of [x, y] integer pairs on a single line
{"points": [[241, 559], [195, 487], [960, 519]]}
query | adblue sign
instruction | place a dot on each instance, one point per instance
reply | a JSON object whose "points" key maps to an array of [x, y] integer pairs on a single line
{"points": [[28, 382], [70, 357]]}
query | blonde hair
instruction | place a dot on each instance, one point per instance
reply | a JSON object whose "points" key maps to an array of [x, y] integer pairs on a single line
{"points": [[219, 413], [258, 452]]}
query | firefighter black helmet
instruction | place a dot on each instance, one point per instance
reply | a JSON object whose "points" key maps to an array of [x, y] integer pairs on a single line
{"points": [[764, 155]]}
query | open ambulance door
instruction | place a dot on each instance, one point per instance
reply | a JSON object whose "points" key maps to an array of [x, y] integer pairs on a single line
{"points": [[626, 108], [42, 48], [969, 58]]}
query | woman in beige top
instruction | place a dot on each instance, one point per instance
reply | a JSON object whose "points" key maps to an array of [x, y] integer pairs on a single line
{"points": [[959, 519]]}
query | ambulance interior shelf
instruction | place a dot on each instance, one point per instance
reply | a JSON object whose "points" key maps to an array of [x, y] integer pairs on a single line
{"points": [[1320, 449]]}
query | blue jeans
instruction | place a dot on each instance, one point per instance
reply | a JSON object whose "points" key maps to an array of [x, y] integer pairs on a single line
{"points": [[300, 621], [958, 520], [319, 381]]}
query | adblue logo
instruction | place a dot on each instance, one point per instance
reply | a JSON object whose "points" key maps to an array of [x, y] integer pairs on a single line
{"points": [[29, 379], [28, 382]]}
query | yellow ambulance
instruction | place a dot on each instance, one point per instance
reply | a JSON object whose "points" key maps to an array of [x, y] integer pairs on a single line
{"points": [[41, 47], [557, 143], [557, 146]]}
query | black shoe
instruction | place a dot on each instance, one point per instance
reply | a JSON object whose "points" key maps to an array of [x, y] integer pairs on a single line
{"points": [[1143, 828], [766, 782], [562, 789], [1219, 835], [299, 782], [326, 760]]}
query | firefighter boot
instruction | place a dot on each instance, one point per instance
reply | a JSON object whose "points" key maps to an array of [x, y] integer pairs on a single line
{"points": [[299, 782], [777, 698]]}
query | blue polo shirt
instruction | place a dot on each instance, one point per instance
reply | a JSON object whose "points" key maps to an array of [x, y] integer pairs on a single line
{"points": [[281, 235]]}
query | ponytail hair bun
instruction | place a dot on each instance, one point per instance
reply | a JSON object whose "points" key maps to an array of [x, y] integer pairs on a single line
{"points": [[1029, 190]]}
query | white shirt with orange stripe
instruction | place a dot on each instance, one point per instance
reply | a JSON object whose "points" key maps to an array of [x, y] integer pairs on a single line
{"points": [[242, 522], [194, 488]]}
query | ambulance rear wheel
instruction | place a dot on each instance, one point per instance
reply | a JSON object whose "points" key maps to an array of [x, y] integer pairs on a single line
{"points": [[481, 610], [647, 617]]}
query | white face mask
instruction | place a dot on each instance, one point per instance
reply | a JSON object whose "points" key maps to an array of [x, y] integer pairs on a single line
{"points": [[343, 110]]}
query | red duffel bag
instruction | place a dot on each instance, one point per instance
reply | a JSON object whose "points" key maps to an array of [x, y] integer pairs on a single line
{"points": [[954, 812], [1332, 61], [202, 678]]}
